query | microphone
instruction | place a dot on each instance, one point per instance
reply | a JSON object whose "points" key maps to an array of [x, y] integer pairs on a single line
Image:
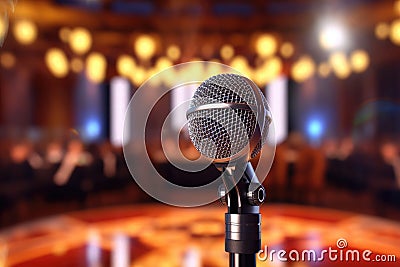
{"points": [[228, 121]]}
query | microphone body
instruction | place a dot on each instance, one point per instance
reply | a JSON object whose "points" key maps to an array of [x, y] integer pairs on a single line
{"points": [[228, 122]]}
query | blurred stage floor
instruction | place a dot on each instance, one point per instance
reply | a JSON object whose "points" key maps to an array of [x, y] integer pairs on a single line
{"points": [[160, 235]]}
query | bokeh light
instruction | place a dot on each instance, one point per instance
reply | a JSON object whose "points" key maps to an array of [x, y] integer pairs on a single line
{"points": [[125, 65], [303, 69], [96, 66], [80, 40], [227, 52], [266, 45], [241, 64], [269, 70], [287, 49], [163, 63], [145, 46], [395, 32], [57, 62], [332, 35], [315, 128], [25, 31], [64, 34], [92, 129], [324, 69], [138, 76], [359, 60], [7, 60], [382, 30], [340, 65], [173, 52]]}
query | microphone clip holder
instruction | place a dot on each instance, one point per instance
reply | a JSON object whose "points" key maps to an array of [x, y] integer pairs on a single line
{"points": [[242, 195]]}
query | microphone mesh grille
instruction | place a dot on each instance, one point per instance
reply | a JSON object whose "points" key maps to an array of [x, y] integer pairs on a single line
{"points": [[222, 133], [224, 88], [264, 132]]}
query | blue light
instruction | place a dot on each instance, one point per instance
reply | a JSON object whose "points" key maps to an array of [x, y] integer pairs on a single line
{"points": [[315, 128], [92, 129]]}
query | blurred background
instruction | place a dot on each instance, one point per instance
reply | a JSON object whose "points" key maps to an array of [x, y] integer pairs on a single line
{"points": [[68, 68]]}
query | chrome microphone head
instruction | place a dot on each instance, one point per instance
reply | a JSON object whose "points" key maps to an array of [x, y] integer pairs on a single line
{"points": [[228, 118]]}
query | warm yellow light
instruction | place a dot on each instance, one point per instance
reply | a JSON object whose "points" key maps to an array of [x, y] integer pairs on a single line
{"points": [[240, 63], [57, 62], [227, 52], [7, 60], [340, 65], [303, 69], [25, 32], [145, 47], [266, 45], [64, 34], [163, 63], [269, 70], [96, 66], [173, 52], [395, 32], [324, 69], [126, 65], [382, 30], [80, 40], [359, 61], [274, 66], [337, 59], [168, 78], [343, 73], [76, 65], [139, 76], [153, 71], [287, 49]]}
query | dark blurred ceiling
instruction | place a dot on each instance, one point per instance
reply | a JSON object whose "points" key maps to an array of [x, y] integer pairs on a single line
{"points": [[177, 16]]}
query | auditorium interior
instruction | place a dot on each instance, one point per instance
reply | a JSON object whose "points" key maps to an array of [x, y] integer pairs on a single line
{"points": [[85, 84]]}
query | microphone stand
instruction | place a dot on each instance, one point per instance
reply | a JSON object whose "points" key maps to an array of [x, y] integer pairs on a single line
{"points": [[243, 219]]}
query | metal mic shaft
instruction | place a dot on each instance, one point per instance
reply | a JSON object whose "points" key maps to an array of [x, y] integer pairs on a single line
{"points": [[243, 220]]}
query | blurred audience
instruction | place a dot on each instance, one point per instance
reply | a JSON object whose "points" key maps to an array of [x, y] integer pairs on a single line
{"points": [[391, 157], [39, 179], [340, 173], [386, 182], [17, 183], [298, 171]]}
